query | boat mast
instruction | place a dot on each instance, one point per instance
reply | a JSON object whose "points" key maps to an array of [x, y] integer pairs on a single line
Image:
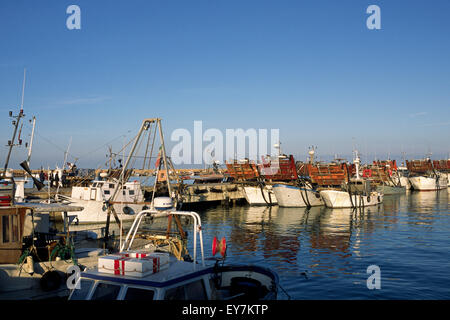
{"points": [[30, 147], [164, 157], [16, 125], [311, 153], [62, 169], [357, 162]]}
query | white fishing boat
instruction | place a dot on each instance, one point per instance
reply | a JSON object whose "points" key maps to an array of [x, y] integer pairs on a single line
{"points": [[425, 175], [258, 179], [150, 276], [128, 201], [356, 193], [344, 199], [260, 195], [433, 182], [295, 196]]}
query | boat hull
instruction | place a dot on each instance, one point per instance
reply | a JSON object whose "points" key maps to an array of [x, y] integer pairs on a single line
{"points": [[404, 182], [20, 282], [422, 183], [254, 195], [341, 199], [291, 196], [391, 190], [93, 211]]}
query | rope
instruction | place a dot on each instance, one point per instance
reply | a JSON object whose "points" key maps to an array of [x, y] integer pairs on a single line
{"points": [[261, 186], [285, 292]]}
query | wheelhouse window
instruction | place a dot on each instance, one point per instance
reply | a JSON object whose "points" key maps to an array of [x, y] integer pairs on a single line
{"points": [[131, 192], [196, 290], [192, 291], [111, 186], [9, 228], [82, 293], [106, 192], [106, 291], [5, 229], [15, 228], [139, 294]]}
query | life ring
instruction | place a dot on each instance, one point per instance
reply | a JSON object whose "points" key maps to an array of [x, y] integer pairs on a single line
{"points": [[368, 199]]}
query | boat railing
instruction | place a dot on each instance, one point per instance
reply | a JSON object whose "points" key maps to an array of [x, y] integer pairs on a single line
{"points": [[126, 245]]}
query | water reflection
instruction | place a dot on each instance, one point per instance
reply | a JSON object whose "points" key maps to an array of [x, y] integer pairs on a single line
{"points": [[424, 208]]}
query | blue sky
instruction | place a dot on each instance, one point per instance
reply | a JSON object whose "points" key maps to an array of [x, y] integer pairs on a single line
{"points": [[309, 68]]}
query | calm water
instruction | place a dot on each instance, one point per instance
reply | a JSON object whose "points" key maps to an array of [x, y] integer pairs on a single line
{"points": [[323, 253]]}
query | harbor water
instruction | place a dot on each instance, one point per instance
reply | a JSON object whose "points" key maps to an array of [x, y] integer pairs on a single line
{"points": [[322, 253]]}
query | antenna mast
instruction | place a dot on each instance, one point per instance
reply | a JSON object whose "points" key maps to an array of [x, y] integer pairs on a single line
{"points": [[16, 125]]}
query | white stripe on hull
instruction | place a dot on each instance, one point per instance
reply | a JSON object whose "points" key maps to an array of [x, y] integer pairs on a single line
{"points": [[93, 211], [422, 183], [254, 196], [290, 196], [341, 199]]}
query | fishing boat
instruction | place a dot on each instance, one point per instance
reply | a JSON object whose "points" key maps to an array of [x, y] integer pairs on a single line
{"points": [[141, 275], [302, 192], [260, 195], [254, 188], [425, 177], [296, 196], [128, 201], [115, 194], [385, 177], [355, 192]]}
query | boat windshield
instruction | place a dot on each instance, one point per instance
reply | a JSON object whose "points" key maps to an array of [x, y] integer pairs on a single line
{"points": [[85, 286]]}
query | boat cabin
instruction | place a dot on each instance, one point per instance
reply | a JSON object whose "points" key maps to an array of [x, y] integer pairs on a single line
{"points": [[11, 232], [360, 186], [101, 190], [181, 281]]}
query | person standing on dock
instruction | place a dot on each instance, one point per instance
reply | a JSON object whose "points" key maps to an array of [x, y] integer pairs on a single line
{"points": [[51, 179], [64, 180], [56, 179], [41, 176]]}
